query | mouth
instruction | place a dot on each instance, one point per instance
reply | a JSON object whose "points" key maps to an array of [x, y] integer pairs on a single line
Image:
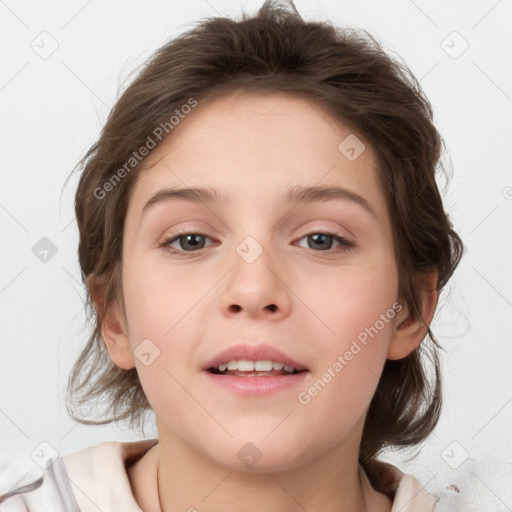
{"points": [[249, 370]]}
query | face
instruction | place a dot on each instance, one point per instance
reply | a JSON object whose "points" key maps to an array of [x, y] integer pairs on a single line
{"points": [[315, 279]]}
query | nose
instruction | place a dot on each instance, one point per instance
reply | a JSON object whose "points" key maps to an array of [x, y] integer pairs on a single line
{"points": [[256, 287]]}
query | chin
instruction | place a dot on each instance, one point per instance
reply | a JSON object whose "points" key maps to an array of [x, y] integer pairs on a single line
{"points": [[260, 455]]}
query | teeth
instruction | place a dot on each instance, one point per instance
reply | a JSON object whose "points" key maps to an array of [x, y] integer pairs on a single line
{"points": [[263, 366], [244, 365]]}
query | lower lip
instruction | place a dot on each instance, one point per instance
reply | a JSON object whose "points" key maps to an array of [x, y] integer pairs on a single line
{"points": [[256, 386]]}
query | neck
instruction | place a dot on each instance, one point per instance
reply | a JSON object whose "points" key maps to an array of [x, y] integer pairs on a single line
{"points": [[187, 481], [190, 481]]}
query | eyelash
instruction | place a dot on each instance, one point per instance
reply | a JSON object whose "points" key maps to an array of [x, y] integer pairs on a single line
{"points": [[347, 245]]}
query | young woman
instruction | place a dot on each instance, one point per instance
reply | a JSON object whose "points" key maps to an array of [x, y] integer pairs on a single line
{"points": [[264, 244]]}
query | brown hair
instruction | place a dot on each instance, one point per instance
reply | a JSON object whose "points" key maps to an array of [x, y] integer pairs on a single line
{"points": [[346, 73]]}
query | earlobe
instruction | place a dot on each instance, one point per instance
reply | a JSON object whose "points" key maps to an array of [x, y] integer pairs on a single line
{"points": [[113, 330], [409, 331]]}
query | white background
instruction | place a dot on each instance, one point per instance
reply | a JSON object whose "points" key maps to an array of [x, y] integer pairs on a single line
{"points": [[53, 109]]}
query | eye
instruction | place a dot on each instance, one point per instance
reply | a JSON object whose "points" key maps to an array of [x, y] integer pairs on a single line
{"points": [[192, 242], [323, 241], [188, 242]]}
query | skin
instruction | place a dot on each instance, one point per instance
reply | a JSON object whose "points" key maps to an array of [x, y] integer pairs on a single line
{"points": [[255, 147]]}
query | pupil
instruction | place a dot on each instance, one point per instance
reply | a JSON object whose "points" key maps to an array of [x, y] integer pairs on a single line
{"points": [[189, 239], [322, 236]]}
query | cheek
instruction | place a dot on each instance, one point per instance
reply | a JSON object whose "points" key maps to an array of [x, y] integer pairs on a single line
{"points": [[352, 300], [163, 323], [165, 319], [355, 312], [157, 301], [349, 364]]}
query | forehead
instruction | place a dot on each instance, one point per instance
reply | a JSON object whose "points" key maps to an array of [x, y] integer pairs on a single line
{"points": [[247, 144]]}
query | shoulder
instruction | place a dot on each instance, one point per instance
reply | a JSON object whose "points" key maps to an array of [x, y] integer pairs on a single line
{"points": [[405, 491], [31, 487], [99, 476], [80, 481]]}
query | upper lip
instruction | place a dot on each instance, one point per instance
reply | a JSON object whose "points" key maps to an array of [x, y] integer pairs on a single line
{"points": [[259, 352]]}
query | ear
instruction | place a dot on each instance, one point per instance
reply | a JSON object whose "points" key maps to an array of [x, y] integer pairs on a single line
{"points": [[410, 332], [113, 329]]}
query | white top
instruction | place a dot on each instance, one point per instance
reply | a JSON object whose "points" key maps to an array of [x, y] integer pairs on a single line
{"points": [[95, 478]]}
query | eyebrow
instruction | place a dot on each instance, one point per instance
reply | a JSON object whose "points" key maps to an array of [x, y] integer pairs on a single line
{"points": [[298, 194]]}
